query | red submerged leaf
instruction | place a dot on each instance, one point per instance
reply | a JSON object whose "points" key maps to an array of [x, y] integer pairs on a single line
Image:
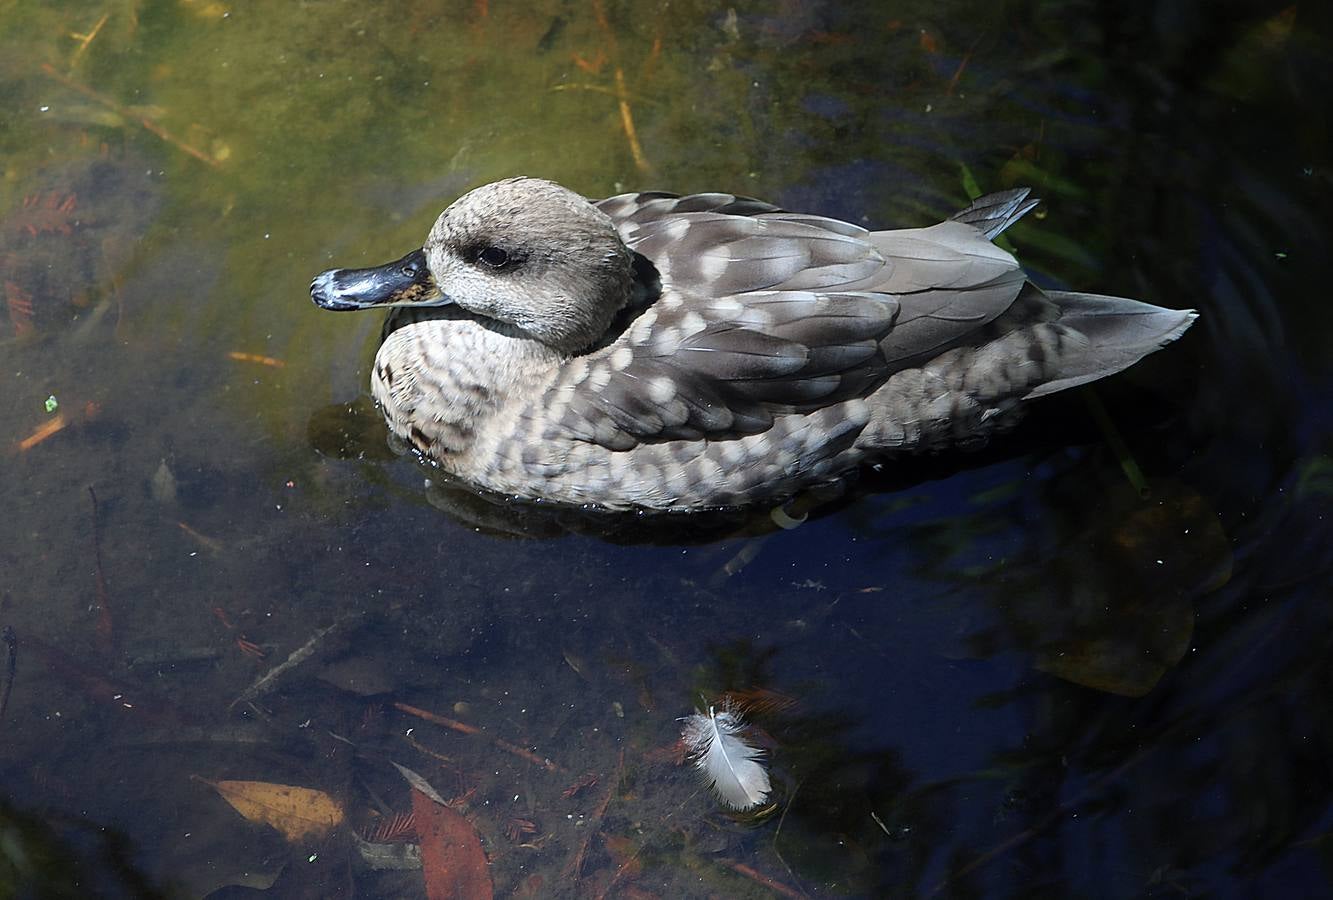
{"points": [[452, 860], [50, 213]]}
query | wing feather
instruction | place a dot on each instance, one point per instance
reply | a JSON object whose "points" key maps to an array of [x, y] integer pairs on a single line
{"points": [[773, 312]]}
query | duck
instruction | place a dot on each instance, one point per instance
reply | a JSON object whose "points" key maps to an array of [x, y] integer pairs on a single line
{"points": [[662, 352]]}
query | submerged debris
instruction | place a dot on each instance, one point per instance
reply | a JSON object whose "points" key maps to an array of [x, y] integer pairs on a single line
{"points": [[11, 666], [298, 656], [163, 484]]}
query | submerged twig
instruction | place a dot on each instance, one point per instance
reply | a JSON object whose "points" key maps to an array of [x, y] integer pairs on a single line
{"points": [[11, 640], [125, 112], [426, 751], [298, 656], [777, 832], [51, 426], [104, 627], [962, 67], [171, 659], [623, 868], [270, 361], [213, 545], [86, 39], [595, 821], [627, 120], [473, 729], [622, 92], [583, 86], [758, 877]]}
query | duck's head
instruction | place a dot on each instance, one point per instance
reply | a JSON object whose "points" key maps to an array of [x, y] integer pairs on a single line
{"points": [[524, 255]]}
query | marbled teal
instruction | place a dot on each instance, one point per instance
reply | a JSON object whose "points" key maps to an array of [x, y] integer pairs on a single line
{"points": [[676, 353]]}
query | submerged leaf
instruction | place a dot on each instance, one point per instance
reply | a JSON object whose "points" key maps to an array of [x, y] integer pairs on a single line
{"points": [[452, 861], [1126, 629], [296, 812], [419, 783], [1114, 665]]}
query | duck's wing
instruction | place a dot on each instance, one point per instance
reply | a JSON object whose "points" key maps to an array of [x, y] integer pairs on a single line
{"points": [[630, 210], [773, 312], [720, 370]]}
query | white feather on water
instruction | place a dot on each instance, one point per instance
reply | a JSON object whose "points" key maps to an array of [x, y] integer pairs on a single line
{"points": [[730, 766]]}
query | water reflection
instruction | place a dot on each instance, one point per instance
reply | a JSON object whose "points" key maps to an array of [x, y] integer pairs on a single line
{"points": [[997, 688]]}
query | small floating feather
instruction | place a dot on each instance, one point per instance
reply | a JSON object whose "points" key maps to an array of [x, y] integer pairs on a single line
{"points": [[732, 768]]}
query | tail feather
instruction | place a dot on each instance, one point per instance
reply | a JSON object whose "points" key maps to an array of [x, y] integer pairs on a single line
{"points": [[1118, 332], [993, 213]]}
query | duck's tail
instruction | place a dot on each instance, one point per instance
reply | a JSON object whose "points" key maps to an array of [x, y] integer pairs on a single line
{"points": [[1111, 334], [1089, 336], [1049, 341], [1045, 342], [993, 213]]}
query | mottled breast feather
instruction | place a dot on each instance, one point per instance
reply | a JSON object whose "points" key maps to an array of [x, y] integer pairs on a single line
{"points": [[763, 313]]}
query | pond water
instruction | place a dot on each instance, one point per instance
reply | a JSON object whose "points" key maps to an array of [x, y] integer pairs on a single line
{"points": [[1093, 660]]}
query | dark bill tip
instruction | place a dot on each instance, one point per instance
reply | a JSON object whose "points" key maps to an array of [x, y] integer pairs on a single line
{"points": [[404, 282]]}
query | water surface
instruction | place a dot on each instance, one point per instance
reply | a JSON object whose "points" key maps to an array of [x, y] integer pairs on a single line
{"points": [[1093, 660]]}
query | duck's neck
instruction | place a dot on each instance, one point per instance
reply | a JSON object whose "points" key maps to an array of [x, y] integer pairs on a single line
{"points": [[446, 384]]}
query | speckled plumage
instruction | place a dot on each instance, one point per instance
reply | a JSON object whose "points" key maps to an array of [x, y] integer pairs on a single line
{"points": [[668, 352]]}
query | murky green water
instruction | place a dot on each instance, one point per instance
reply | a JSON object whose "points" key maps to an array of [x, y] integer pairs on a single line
{"points": [[1006, 674]]}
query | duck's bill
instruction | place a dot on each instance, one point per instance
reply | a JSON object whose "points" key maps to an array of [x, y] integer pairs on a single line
{"points": [[403, 282]]}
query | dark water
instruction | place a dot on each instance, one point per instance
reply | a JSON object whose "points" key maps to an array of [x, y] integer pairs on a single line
{"points": [[1094, 660]]}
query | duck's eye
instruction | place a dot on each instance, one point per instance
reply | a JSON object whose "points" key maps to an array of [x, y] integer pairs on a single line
{"points": [[495, 257]]}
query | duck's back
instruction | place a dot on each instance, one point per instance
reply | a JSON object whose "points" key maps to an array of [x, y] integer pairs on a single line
{"points": [[761, 314]]}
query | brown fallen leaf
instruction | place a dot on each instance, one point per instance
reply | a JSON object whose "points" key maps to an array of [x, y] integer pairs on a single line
{"points": [[452, 861], [296, 812]]}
